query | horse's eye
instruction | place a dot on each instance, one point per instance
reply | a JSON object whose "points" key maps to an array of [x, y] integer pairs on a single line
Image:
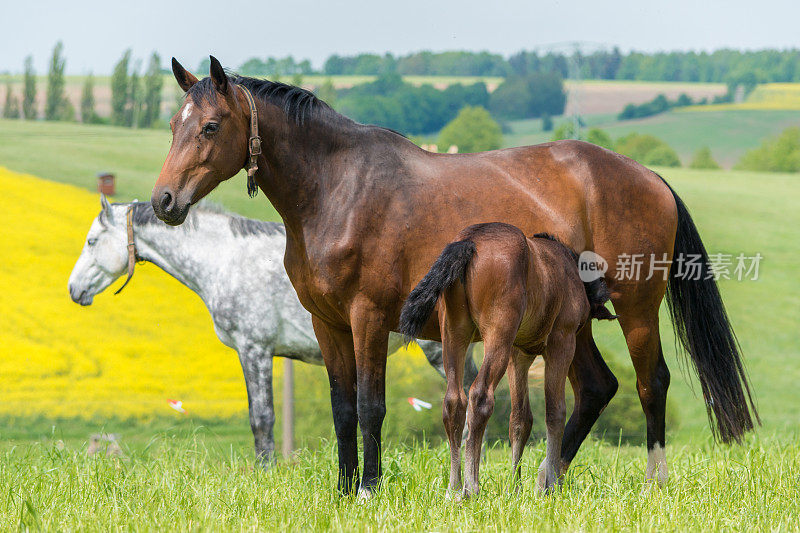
{"points": [[91, 242], [210, 128]]}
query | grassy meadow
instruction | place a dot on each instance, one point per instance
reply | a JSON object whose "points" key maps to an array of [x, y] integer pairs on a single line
{"points": [[185, 483], [728, 132], [67, 372]]}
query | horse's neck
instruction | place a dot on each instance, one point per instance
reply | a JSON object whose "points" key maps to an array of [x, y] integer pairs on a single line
{"points": [[304, 162], [193, 257]]}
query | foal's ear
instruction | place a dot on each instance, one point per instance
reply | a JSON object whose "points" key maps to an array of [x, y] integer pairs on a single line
{"points": [[184, 78], [218, 76], [104, 202]]}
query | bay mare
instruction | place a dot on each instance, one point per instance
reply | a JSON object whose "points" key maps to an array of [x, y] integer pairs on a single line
{"points": [[235, 265], [367, 212]]}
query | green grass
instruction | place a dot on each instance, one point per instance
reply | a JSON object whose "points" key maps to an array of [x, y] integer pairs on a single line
{"points": [[184, 482], [728, 133], [75, 153]]}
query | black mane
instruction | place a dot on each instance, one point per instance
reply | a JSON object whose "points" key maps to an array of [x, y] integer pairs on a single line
{"points": [[296, 102], [143, 215]]}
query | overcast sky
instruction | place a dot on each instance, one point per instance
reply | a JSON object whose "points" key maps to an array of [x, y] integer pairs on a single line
{"points": [[95, 33]]}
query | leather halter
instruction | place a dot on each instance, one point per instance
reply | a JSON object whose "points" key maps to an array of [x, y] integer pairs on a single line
{"points": [[253, 144], [132, 255]]}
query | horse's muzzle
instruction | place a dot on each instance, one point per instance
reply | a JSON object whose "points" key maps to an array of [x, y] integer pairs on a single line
{"points": [[80, 296], [168, 208]]}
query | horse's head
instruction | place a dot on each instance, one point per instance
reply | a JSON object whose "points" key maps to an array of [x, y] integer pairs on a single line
{"points": [[209, 142], [104, 257]]}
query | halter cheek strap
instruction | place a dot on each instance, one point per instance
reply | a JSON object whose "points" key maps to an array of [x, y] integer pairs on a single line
{"points": [[132, 256], [253, 144]]}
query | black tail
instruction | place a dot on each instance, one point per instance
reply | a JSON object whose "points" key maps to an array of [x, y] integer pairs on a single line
{"points": [[702, 325], [448, 268]]}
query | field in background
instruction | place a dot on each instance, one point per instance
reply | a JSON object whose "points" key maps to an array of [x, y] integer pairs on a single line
{"points": [[185, 483], [728, 132], [588, 96], [768, 96], [171, 93]]}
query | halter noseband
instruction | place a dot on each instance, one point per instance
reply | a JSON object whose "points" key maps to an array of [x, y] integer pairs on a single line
{"points": [[253, 144], [132, 255]]}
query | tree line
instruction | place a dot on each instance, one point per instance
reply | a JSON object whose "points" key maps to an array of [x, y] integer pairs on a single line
{"points": [[721, 66], [135, 98]]}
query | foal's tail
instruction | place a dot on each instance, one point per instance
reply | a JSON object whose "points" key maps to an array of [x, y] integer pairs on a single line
{"points": [[702, 325], [449, 267]]}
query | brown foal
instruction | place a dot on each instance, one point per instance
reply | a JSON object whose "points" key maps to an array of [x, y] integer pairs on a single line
{"points": [[523, 297]]}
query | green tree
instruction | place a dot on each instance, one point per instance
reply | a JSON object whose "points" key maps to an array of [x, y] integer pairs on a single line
{"points": [[327, 92], [119, 89], [776, 154], [134, 105], [547, 122], [565, 130], [473, 130], [56, 103], [11, 106], [600, 138], [29, 92], [531, 96], [88, 114], [153, 85], [703, 160], [647, 150], [662, 156]]}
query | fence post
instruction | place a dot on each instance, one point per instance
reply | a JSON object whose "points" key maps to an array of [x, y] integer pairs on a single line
{"points": [[288, 407]]}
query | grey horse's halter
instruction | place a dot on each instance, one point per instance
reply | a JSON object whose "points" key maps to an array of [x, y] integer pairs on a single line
{"points": [[133, 257]]}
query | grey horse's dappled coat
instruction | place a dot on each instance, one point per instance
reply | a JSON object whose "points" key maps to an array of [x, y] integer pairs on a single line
{"points": [[235, 265]]}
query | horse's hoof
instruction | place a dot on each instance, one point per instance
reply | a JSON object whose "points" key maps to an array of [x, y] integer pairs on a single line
{"points": [[455, 496], [364, 494], [471, 492]]}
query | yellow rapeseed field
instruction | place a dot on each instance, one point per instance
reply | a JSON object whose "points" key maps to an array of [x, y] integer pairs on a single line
{"points": [[123, 356], [769, 96]]}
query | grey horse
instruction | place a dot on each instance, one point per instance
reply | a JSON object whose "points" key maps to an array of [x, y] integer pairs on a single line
{"points": [[235, 265]]}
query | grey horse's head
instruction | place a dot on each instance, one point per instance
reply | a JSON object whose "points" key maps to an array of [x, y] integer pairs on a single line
{"points": [[104, 257]]}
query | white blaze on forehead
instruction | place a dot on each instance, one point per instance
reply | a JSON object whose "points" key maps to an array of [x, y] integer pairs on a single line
{"points": [[187, 110]]}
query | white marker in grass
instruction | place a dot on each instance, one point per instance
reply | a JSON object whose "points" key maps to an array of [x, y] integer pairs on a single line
{"points": [[418, 404], [177, 405]]}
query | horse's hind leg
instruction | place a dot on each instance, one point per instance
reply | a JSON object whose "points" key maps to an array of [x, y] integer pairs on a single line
{"points": [[498, 340], [640, 326], [521, 419], [433, 353], [457, 331], [593, 385], [558, 357], [256, 364]]}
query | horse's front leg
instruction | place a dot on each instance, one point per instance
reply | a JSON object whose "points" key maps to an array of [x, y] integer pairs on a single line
{"points": [[256, 364], [337, 351], [370, 339]]}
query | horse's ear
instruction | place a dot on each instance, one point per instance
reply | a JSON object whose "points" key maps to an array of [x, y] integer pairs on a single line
{"points": [[184, 78], [104, 202], [218, 76]]}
